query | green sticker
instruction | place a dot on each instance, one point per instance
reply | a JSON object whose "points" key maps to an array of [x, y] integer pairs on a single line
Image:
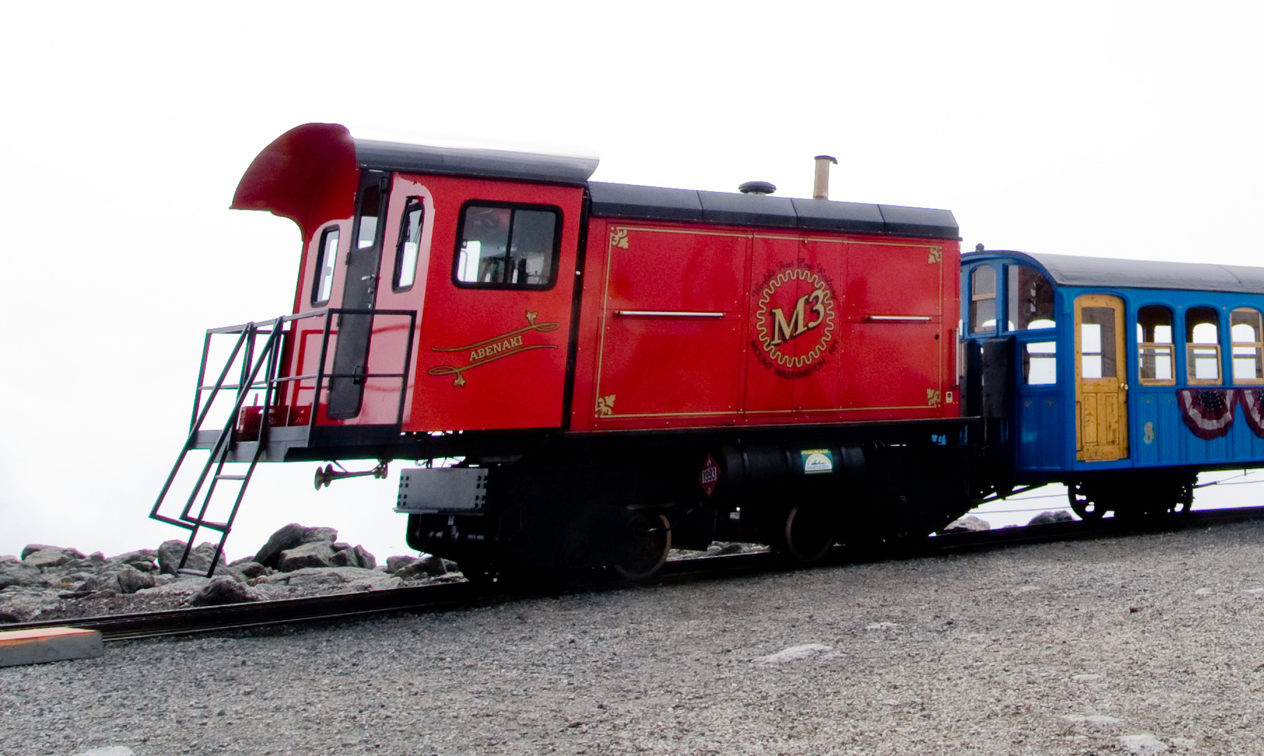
{"points": [[817, 461]]}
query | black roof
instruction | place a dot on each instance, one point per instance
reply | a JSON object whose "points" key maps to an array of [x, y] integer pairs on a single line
{"points": [[455, 161], [1104, 272], [654, 203]]}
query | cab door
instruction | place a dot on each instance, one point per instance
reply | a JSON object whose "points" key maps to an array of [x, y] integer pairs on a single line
{"points": [[1101, 389], [495, 328]]}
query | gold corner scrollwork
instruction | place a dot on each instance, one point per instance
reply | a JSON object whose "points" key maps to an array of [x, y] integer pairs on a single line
{"points": [[495, 348], [619, 238], [936, 255], [933, 398], [605, 406]]}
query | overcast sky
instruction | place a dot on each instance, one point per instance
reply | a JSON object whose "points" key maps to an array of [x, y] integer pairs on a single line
{"points": [[1113, 129]]}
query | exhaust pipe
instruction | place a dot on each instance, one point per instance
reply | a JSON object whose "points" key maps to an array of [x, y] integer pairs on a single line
{"points": [[820, 187]]}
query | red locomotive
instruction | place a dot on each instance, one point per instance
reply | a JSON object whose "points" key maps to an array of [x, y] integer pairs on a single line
{"points": [[594, 371]]}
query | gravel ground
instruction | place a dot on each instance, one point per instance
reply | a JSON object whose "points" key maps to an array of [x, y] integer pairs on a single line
{"points": [[1114, 646]]}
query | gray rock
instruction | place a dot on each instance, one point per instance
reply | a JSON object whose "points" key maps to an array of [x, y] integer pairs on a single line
{"points": [[145, 560], [314, 581], [316, 554], [1144, 744], [26, 604], [34, 547], [223, 590], [50, 558], [249, 568], [312, 575], [967, 524], [170, 552], [346, 557], [427, 566], [16, 573], [320, 535], [289, 537], [377, 582], [396, 563], [367, 560], [130, 579], [185, 585], [1048, 518], [108, 751]]}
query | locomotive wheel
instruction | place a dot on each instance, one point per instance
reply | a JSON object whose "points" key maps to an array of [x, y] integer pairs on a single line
{"points": [[807, 534], [651, 540], [1184, 503], [1086, 508]]}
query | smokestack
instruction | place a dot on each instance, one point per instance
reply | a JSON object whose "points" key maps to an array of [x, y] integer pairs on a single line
{"points": [[820, 187]]}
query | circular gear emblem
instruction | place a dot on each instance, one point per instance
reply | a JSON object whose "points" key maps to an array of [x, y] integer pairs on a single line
{"points": [[795, 319]]}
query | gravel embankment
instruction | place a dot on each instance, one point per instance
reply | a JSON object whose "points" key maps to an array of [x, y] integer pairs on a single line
{"points": [[1111, 646]]}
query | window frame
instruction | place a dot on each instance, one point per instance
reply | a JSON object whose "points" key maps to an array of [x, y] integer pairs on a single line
{"points": [[410, 203], [974, 298], [1013, 295], [317, 277], [1258, 345], [554, 273], [1156, 345], [1187, 333]]}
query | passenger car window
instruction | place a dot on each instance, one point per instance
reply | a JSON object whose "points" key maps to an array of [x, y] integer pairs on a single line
{"points": [[1040, 363], [1245, 335], [1156, 364], [326, 256], [1202, 345], [982, 299], [1030, 299], [409, 244], [507, 246]]}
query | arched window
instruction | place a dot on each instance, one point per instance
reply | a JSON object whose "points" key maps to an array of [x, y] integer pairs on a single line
{"points": [[983, 299], [1202, 345], [1245, 335], [1030, 298], [1156, 366]]}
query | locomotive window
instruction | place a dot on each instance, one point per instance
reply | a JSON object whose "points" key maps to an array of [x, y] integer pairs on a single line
{"points": [[326, 256], [409, 244], [1244, 332], [1040, 363], [983, 299], [507, 246], [370, 208], [1030, 298], [1097, 342], [1202, 345], [1154, 345]]}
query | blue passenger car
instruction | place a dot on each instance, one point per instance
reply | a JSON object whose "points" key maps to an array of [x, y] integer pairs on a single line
{"points": [[1120, 378]]}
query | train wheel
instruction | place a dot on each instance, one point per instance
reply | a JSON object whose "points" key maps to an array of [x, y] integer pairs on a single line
{"points": [[651, 541], [807, 534], [1087, 509], [1184, 502]]}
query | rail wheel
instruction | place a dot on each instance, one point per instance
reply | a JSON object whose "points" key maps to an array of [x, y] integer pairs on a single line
{"points": [[645, 555], [1082, 504], [807, 534]]}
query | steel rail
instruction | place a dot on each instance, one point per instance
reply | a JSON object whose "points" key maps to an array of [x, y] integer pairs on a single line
{"points": [[232, 617]]}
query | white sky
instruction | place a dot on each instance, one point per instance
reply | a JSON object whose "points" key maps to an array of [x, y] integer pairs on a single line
{"points": [[1115, 129]]}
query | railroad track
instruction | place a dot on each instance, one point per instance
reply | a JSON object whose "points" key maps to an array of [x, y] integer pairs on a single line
{"points": [[451, 595]]}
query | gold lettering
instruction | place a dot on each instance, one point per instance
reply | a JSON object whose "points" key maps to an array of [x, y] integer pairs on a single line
{"points": [[784, 331]]}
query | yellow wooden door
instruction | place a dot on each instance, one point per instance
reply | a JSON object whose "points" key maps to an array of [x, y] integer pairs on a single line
{"points": [[1101, 389]]}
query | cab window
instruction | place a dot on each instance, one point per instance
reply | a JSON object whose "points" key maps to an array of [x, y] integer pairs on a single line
{"points": [[1202, 345], [1156, 365], [503, 246], [1029, 298], [983, 299], [409, 244], [326, 257]]}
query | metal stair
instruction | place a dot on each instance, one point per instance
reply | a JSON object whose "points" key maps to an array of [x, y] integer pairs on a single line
{"points": [[221, 465]]}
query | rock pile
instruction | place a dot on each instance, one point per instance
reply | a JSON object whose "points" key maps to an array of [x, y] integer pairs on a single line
{"points": [[53, 582]]}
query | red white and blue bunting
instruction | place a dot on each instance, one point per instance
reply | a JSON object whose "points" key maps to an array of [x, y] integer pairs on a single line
{"points": [[1209, 412], [1252, 401]]}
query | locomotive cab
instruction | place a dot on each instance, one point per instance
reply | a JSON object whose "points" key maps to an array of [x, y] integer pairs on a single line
{"points": [[421, 261]]}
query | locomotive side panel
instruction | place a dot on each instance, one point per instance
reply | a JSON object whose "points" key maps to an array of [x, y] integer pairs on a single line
{"points": [[712, 327], [671, 316]]}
